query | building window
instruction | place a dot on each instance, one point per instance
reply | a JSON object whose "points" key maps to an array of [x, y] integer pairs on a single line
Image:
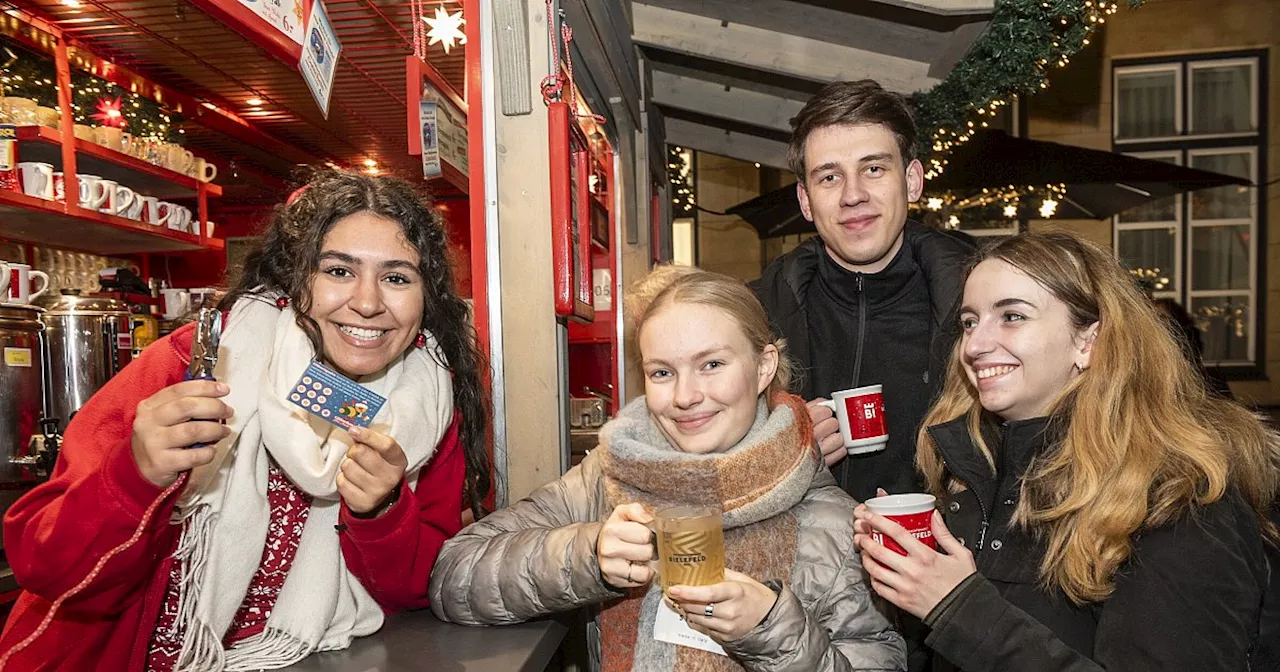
{"points": [[1147, 102], [1201, 249]]}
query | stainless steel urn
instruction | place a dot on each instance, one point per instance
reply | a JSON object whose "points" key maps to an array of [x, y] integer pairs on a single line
{"points": [[22, 344], [90, 339]]}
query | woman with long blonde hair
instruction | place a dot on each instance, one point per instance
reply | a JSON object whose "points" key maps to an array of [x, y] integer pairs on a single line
{"points": [[1098, 509]]}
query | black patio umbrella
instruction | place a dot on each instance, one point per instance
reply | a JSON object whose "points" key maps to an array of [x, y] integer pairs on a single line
{"points": [[1099, 184]]}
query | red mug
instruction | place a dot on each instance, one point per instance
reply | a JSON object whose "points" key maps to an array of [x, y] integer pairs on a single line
{"points": [[914, 512], [861, 415]]}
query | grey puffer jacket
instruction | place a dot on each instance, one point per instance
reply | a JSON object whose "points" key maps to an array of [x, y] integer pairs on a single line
{"points": [[539, 557]]}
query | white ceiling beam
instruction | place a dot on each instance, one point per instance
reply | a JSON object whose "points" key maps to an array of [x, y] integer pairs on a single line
{"points": [[945, 7], [771, 51], [698, 95], [725, 143]]}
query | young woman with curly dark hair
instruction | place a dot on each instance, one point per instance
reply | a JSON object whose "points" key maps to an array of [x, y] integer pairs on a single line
{"points": [[261, 533]]}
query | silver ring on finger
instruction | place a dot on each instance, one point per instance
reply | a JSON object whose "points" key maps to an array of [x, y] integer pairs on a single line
{"points": [[709, 612]]}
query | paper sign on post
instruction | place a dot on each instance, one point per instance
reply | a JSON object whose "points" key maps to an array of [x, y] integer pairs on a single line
{"points": [[285, 16], [669, 627], [319, 59], [444, 134]]}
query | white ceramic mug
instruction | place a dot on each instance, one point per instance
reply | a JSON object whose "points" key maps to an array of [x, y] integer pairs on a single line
{"points": [[164, 214], [150, 212], [112, 189], [112, 137], [208, 229], [83, 132], [860, 412], [125, 198], [93, 192], [204, 170], [37, 179], [180, 220], [20, 276], [177, 302], [135, 210], [179, 159]]}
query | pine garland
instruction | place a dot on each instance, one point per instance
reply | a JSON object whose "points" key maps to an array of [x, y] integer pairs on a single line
{"points": [[33, 76], [1023, 42]]}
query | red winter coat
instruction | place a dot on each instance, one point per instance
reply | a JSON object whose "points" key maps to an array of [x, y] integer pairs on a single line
{"points": [[96, 497]]}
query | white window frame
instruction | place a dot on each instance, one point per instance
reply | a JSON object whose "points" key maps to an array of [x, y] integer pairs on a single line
{"points": [[1176, 224], [1253, 96], [1252, 223], [1178, 84]]}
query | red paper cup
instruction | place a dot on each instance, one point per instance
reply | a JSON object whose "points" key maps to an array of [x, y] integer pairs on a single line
{"points": [[914, 512]]}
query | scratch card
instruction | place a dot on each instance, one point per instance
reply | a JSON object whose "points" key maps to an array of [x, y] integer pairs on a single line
{"points": [[331, 396]]}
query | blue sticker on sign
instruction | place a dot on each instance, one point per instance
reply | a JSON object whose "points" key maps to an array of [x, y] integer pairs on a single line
{"points": [[331, 396]]}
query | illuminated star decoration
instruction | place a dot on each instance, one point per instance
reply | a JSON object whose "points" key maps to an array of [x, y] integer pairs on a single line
{"points": [[109, 113], [446, 28]]}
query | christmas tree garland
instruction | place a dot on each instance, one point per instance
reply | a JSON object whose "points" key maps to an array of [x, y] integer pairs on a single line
{"points": [[1013, 56], [31, 75]]}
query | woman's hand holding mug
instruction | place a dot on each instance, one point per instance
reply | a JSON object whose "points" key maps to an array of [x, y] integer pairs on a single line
{"points": [[918, 581], [374, 467], [172, 420], [625, 548], [826, 431], [738, 604]]}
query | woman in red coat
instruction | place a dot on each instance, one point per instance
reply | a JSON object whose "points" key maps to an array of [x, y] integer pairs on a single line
{"points": [[281, 534]]}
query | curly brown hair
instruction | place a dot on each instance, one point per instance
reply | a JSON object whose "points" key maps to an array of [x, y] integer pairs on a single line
{"points": [[288, 257]]}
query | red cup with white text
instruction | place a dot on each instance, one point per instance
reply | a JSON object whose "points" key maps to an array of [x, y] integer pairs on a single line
{"points": [[860, 412], [914, 512]]}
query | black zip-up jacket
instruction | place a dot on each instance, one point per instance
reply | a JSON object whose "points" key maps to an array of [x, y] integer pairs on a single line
{"points": [[1189, 597], [783, 288]]}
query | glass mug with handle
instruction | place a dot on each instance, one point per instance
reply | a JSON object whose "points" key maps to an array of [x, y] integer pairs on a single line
{"points": [[690, 545], [860, 412]]}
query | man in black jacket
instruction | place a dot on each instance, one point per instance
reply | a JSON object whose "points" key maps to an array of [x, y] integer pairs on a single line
{"points": [[872, 299]]}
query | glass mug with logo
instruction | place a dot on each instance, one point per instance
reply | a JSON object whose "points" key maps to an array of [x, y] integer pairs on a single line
{"points": [[690, 546]]}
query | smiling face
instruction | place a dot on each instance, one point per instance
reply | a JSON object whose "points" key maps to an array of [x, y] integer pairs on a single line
{"points": [[856, 193], [702, 377], [1019, 346], [367, 294]]}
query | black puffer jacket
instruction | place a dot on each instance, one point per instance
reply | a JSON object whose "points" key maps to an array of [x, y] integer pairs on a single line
{"points": [[1189, 597]]}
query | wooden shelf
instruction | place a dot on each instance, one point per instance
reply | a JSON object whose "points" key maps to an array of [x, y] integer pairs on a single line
{"points": [[34, 220], [41, 143]]}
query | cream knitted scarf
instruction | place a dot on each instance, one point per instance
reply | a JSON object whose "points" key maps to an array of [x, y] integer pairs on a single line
{"points": [[224, 509]]}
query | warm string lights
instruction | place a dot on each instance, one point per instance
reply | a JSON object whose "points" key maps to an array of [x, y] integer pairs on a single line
{"points": [[1024, 42], [1005, 202], [94, 101], [1151, 280], [680, 175]]}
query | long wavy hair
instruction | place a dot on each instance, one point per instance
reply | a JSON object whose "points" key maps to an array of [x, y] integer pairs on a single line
{"points": [[1142, 442], [288, 257], [671, 284]]}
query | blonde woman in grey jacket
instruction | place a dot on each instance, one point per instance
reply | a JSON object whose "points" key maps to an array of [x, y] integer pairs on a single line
{"points": [[715, 427]]}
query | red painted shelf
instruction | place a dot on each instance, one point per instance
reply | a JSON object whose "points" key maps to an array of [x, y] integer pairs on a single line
{"points": [[41, 143], [34, 220]]}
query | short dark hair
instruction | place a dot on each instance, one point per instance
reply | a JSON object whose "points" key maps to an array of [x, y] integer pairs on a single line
{"points": [[852, 103]]}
